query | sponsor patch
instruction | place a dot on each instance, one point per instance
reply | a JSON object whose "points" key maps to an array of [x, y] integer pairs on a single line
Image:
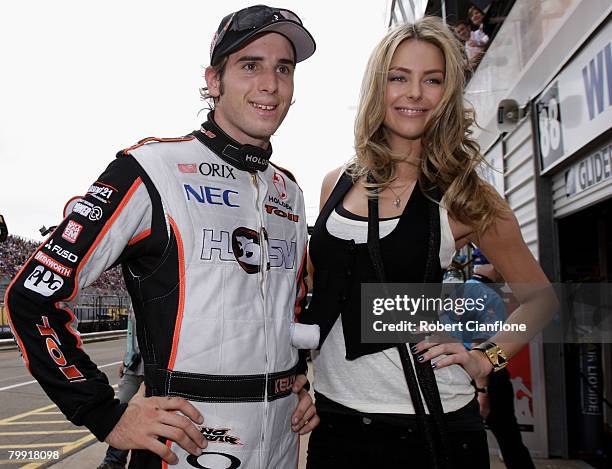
{"points": [[88, 210], [55, 266], [243, 246], [60, 251], [281, 213], [102, 192], [187, 167], [72, 231], [216, 170], [211, 459], [43, 281], [280, 185], [246, 248], [282, 203], [220, 435], [211, 195]]}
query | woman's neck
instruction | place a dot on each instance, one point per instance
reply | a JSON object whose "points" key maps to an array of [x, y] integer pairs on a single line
{"points": [[407, 157]]}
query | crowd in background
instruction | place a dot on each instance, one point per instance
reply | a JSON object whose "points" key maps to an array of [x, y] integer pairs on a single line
{"points": [[477, 30], [15, 251]]}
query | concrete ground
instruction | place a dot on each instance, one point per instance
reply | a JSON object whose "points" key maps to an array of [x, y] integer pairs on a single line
{"points": [[91, 457]]}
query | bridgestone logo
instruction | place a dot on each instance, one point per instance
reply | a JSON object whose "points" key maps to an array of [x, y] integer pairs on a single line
{"points": [[53, 264]]}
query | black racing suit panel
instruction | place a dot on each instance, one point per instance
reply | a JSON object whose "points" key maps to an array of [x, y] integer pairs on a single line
{"points": [[111, 224]]}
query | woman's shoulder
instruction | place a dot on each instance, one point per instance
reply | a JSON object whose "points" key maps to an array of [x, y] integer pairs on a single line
{"points": [[329, 182]]}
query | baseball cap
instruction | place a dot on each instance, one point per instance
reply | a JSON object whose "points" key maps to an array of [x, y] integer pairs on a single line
{"points": [[237, 28]]}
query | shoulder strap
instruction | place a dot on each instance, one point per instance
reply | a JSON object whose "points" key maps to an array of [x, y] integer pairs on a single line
{"points": [[435, 435]]}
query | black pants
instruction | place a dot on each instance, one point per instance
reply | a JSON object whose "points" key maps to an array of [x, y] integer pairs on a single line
{"points": [[358, 440], [503, 424]]}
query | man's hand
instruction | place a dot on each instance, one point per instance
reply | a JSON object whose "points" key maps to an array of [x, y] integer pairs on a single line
{"points": [[304, 418], [147, 418]]}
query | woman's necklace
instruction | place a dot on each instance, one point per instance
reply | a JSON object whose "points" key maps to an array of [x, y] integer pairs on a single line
{"points": [[398, 201]]}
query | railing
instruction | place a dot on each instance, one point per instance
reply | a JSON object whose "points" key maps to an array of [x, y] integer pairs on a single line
{"points": [[95, 313]]}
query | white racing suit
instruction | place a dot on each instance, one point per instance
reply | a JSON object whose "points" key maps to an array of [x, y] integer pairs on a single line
{"points": [[214, 260]]}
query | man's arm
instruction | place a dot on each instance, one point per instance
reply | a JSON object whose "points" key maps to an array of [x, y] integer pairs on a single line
{"points": [[91, 239]]}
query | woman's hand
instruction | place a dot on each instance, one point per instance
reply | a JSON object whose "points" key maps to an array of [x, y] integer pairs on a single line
{"points": [[474, 362]]}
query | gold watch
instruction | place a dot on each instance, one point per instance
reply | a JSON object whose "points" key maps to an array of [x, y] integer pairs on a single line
{"points": [[494, 353]]}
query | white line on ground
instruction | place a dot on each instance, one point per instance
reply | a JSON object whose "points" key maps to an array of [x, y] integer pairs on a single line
{"points": [[18, 385]]}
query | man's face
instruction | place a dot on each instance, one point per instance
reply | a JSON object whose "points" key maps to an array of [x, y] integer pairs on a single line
{"points": [[257, 89]]}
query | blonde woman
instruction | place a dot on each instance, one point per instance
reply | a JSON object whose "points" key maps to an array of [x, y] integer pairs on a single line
{"points": [[413, 149]]}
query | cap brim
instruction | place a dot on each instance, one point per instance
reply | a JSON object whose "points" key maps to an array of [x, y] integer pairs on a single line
{"points": [[302, 41]]}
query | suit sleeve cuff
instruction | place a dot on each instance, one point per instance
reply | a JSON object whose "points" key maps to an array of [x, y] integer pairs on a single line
{"points": [[102, 419]]}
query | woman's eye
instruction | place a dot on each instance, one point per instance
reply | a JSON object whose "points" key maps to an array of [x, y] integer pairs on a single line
{"points": [[397, 78], [434, 81]]}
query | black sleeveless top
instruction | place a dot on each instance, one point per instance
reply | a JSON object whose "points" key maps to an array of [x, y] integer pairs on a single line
{"points": [[341, 266]]}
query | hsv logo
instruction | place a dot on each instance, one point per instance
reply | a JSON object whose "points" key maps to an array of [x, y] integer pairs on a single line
{"points": [[281, 213], [53, 343], [101, 191], [187, 168], [88, 210], [43, 281], [57, 249], [211, 195], [53, 264], [281, 186], [246, 248], [216, 170], [72, 231], [220, 435], [243, 246]]}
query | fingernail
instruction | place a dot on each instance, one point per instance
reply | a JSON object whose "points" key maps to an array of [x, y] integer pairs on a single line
{"points": [[413, 349], [433, 365], [420, 358]]}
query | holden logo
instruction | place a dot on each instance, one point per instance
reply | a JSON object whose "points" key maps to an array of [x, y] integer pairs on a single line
{"points": [[281, 187], [246, 248]]}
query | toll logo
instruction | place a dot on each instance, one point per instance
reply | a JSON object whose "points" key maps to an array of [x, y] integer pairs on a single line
{"points": [[43, 281], [246, 249]]}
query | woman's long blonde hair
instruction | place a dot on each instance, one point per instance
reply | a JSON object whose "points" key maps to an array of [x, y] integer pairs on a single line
{"points": [[449, 156]]}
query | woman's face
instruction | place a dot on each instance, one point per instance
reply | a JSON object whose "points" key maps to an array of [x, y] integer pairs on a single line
{"points": [[415, 85]]}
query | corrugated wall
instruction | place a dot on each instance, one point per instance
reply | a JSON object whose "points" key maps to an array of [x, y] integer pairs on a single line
{"points": [[519, 181]]}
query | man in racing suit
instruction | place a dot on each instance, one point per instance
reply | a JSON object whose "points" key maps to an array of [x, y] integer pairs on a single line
{"points": [[212, 241]]}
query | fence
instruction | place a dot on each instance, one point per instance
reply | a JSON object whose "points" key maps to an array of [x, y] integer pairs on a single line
{"points": [[94, 312]]}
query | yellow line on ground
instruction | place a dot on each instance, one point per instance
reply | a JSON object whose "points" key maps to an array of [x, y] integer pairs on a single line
{"points": [[25, 414], [34, 445], [42, 432], [49, 413], [78, 443], [34, 422]]}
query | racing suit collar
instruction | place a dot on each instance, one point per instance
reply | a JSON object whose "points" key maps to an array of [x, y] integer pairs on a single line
{"points": [[244, 157]]}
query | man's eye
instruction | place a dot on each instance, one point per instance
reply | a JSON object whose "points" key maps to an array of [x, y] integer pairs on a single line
{"points": [[249, 67], [284, 69]]}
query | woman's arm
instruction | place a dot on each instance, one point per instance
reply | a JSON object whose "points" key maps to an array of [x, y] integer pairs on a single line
{"points": [[505, 248]]}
